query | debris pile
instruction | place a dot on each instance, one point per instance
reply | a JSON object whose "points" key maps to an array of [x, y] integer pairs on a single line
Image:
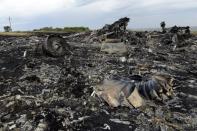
{"points": [[133, 94], [150, 86]]}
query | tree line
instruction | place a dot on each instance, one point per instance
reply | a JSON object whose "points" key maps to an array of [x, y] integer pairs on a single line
{"points": [[65, 29]]}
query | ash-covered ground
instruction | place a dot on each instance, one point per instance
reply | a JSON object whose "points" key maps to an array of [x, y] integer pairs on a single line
{"points": [[45, 93], [38, 92]]}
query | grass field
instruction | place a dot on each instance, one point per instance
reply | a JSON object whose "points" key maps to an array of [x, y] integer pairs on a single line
{"points": [[194, 32], [23, 34], [15, 33]]}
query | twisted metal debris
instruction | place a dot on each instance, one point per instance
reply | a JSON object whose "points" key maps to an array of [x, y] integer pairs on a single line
{"points": [[40, 92]]}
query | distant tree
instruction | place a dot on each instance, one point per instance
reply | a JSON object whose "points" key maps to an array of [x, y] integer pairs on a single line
{"points": [[58, 29], [76, 29], [47, 28], [65, 29], [7, 28]]}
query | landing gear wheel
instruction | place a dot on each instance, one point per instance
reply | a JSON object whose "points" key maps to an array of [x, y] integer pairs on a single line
{"points": [[55, 46]]}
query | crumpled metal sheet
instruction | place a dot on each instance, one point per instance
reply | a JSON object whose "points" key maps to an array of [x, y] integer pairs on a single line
{"points": [[134, 94]]}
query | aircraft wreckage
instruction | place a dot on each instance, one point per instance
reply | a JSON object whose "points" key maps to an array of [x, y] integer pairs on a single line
{"points": [[107, 79]]}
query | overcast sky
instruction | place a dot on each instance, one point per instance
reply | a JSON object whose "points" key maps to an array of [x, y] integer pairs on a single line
{"points": [[31, 14]]}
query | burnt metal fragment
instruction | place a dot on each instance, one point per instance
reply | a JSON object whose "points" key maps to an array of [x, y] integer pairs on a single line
{"points": [[56, 46], [121, 93]]}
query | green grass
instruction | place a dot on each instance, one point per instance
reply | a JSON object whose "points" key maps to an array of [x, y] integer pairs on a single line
{"points": [[15, 34]]}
